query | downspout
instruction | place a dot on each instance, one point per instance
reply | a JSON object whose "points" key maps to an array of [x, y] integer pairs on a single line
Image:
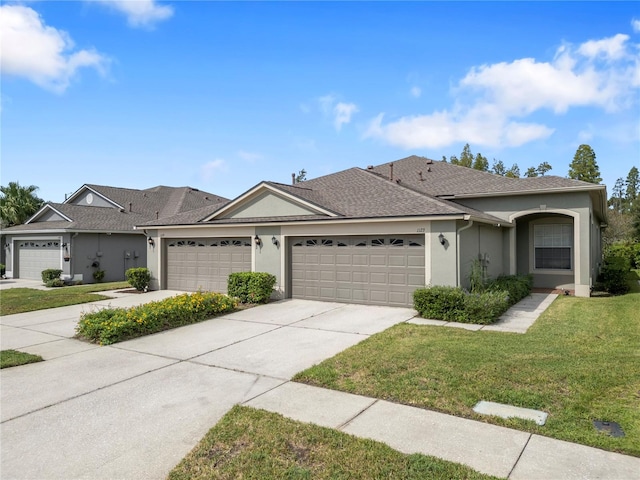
{"points": [[469, 225], [73, 257]]}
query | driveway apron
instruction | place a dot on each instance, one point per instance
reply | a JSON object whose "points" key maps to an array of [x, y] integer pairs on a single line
{"points": [[134, 409]]}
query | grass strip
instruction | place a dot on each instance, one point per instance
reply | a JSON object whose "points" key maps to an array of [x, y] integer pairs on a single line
{"points": [[579, 362], [20, 300], [14, 358], [250, 443]]}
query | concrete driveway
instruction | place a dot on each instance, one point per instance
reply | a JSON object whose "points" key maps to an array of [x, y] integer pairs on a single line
{"points": [[133, 410]]}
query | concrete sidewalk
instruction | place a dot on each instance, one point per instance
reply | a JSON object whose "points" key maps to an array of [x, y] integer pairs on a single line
{"points": [[490, 449]]}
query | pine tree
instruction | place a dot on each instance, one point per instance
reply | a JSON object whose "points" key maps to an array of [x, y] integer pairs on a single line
{"points": [[584, 166], [481, 163], [632, 185]]}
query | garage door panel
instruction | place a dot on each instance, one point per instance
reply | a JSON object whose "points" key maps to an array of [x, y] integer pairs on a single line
{"points": [[381, 270], [34, 256], [205, 264], [343, 277]]}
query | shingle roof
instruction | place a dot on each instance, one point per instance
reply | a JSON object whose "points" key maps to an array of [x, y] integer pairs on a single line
{"points": [[351, 194], [150, 204], [443, 179]]}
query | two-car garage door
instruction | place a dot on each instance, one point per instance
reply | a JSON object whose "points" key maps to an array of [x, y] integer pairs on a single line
{"points": [[205, 263], [383, 270]]}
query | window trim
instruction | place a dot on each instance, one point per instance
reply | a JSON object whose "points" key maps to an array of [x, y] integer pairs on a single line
{"points": [[532, 249]]}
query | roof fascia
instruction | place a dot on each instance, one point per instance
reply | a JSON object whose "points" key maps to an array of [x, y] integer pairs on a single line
{"points": [[263, 186], [87, 187], [523, 192], [43, 209], [457, 216], [70, 230]]}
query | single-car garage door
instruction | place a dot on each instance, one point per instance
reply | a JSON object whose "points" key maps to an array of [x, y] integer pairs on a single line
{"points": [[205, 263], [34, 256], [382, 270]]}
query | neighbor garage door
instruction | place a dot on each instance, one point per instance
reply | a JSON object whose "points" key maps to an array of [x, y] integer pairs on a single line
{"points": [[382, 270], [34, 256], [205, 263]]}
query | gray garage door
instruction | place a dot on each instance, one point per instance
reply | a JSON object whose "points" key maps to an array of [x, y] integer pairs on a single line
{"points": [[205, 263], [34, 256], [382, 270]]}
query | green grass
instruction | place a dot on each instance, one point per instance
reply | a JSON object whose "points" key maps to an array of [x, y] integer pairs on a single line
{"points": [[579, 362], [19, 300], [13, 358], [249, 443]]}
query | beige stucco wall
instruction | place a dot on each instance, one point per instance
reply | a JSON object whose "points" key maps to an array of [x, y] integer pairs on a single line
{"points": [[268, 204], [575, 205]]}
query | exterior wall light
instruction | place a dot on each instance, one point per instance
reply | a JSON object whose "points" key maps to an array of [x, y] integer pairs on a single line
{"points": [[258, 241], [274, 240], [442, 239], [151, 242]]}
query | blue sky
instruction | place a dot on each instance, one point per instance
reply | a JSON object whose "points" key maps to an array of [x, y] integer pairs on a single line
{"points": [[222, 95]]}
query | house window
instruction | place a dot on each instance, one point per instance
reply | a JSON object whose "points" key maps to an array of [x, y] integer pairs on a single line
{"points": [[552, 246]]}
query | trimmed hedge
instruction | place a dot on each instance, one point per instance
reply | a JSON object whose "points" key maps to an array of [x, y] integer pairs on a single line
{"points": [[453, 304], [614, 274], [50, 274], [117, 324], [251, 287], [518, 286], [138, 278], [56, 282]]}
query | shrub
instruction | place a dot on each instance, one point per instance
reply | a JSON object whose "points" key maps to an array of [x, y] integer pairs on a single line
{"points": [[518, 286], [2, 270], [98, 275], [56, 282], [442, 303], [628, 250], [50, 274], [251, 287], [614, 274], [117, 324], [453, 304], [138, 278]]}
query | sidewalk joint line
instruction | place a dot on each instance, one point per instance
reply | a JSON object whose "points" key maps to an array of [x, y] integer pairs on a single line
{"points": [[520, 456], [344, 424]]}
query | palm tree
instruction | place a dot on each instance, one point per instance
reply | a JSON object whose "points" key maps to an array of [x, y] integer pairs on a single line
{"points": [[18, 203]]}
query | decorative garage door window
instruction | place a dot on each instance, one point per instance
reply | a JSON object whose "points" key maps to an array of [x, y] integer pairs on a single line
{"points": [[210, 243], [359, 242], [552, 246], [40, 244], [376, 269]]}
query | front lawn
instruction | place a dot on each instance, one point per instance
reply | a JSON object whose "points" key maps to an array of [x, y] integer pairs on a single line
{"points": [[14, 358], [249, 443], [19, 300], [579, 362]]}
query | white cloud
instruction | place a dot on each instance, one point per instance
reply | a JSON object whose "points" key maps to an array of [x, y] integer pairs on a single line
{"points": [[493, 100], [340, 111], [416, 92], [635, 24], [612, 48], [41, 53], [343, 112], [140, 13], [209, 169]]}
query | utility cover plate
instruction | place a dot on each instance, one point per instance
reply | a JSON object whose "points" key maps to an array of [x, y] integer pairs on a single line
{"points": [[508, 411], [612, 428]]}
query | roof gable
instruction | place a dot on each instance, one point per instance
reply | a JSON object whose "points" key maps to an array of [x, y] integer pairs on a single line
{"points": [[269, 199], [48, 213], [88, 196]]}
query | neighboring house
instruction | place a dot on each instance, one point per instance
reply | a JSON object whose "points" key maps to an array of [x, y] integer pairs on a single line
{"points": [[374, 235], [94, 230]]}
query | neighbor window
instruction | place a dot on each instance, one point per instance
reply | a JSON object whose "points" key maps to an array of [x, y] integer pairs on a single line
{"points": [[552, 246]]}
